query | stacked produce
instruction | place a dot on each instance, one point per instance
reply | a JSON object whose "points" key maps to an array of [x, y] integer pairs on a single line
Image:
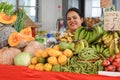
{"points": [[87, 61], [50, 59], [7, 19], [112, 63], [88, 50]]}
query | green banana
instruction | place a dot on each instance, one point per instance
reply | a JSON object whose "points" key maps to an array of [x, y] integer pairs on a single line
{"points": [[82, 34], [106, 53], [94, 35], [90, 36], [87, 36], [78, 46], [77, 32], [86, 45], [101, 48], [98, 47], [99, 32]]}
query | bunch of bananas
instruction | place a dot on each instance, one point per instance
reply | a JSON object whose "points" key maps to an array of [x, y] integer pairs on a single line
{"points": [[90, 35], [80, 45], [103, 51], [114, 46], [107, 37], [66, 36]]}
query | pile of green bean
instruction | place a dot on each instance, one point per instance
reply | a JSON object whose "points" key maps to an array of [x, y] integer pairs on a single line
{"points": [[88, 54], [83, 66]]}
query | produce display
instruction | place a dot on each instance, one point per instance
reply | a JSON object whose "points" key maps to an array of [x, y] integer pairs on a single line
{"points": [[88, 50]]}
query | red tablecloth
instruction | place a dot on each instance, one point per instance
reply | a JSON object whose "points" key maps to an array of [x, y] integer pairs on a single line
{"points": [[8, 72]]}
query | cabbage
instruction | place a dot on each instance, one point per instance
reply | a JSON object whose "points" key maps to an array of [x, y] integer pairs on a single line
{"points": [[22, 59]]}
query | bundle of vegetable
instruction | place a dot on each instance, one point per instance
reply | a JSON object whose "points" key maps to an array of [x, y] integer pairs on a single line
{"points": [[6, 8], [86, 61], [19, 24]]}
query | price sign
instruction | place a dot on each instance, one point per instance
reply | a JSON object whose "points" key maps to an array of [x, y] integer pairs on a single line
{"points": [[105, 3], [112, 20]]}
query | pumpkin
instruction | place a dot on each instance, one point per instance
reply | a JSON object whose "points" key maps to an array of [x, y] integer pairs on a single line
{"points": [[32, 46], [5, 19], [7, 55], [14, 39], [27, 34], [26, 31]]}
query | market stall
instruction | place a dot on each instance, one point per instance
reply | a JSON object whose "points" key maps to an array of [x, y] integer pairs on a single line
{"points": [[22, 73], [76, 55]]}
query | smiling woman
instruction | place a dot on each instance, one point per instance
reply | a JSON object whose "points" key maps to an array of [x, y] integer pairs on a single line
{"points": [[74, 18]]}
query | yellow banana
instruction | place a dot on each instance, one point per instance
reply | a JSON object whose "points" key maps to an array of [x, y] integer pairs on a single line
{"points": [[116, 35], [108, 40], [116, 46], [105, 36], [112, 47]]}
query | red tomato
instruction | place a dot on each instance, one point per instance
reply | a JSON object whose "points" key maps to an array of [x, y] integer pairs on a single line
{"points": [[105, 62], [117, 60], [118, 69], [110, 68], [111, 59], [117, 55], [114, 63]]}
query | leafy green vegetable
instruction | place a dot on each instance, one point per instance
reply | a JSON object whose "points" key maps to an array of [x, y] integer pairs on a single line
{"points": [[6, 8], [23, 59]]}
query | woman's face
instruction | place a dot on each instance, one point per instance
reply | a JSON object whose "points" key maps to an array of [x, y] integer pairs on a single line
{"points": [[73, 20]]}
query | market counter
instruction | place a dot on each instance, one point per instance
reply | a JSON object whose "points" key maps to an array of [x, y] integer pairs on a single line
{"points": [[9, 72]]}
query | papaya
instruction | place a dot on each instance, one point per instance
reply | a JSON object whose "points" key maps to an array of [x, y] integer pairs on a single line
{"points": [[14, 39], [64, 45], [5, 19]]}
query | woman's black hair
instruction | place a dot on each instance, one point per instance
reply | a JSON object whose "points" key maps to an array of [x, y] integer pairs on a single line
{"points": [[77, 11]]}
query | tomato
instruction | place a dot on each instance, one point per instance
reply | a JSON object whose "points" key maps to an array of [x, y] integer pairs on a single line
{"points": [[105, 62], [110, 68], [117, 60], [111, 59], [117, 55], [118, 69], [115, 63]]}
